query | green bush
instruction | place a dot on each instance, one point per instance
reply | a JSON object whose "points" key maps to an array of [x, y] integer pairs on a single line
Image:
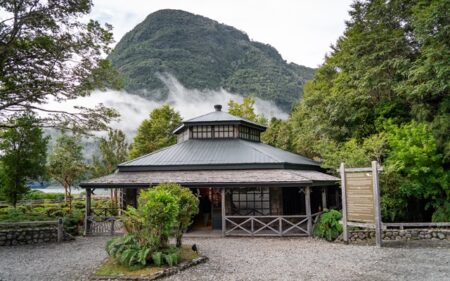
{"points": [[127, 250], [188, 207], [38, 195], [157, 258], [328, 226]]}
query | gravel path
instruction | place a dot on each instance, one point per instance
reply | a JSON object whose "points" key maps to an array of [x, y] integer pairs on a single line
{"points": [[67, 261], [242, 259]]}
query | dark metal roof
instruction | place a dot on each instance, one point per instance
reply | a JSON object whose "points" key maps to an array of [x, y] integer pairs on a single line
{"points": [[214, 178], [218, 117], [207, 154]]}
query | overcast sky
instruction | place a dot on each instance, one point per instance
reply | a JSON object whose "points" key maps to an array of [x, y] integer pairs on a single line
{"points": [[301, 30]]}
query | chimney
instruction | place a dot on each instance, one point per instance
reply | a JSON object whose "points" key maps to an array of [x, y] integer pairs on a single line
{"points": [[218, 107]]}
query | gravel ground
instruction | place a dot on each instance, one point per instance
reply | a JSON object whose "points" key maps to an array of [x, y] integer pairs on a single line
{"points": [[67, 261], [242, 259]]}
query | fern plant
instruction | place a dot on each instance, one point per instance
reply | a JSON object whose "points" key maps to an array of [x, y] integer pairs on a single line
{"points": [[127, 250], [328, 226]]}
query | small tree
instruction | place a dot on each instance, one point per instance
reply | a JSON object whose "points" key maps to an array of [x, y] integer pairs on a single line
{"points": [[246, 110], [24, 152], [113, 151], [188, 207], [154, 219], [156, 132], [66, 164]]}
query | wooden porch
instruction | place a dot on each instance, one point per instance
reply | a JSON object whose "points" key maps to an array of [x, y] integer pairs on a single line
{"points": [[269, 225]]}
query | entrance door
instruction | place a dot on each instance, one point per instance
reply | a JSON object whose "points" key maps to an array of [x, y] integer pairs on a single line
{"points": [[216, 209], [210, 212], [293, 201]]}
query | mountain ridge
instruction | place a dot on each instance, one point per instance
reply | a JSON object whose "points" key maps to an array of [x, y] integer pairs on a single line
{"points": [[204, 54]]}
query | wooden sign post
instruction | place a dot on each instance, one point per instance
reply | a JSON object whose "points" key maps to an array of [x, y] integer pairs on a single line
{"points": [[361, 199]]}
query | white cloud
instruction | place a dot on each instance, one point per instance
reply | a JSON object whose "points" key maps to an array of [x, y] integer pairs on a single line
{"points": [[302, 31], [189, 102]]}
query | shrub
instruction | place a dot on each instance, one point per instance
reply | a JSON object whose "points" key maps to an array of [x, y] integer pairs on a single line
{"points": [[127, 250], [158, 210], [157, 258], [37, 195], [188, 207], [328, 226]]}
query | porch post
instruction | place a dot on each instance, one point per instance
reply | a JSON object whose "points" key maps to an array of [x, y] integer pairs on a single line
{"points": [[222, 207], [87, 213], [308, 209], [324, 198]]}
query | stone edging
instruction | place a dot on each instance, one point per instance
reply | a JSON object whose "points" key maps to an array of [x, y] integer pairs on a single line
{"points": [[398, 235], [156, 275]]}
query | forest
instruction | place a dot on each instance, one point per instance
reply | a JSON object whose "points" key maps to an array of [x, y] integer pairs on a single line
{"points": [[383, 94]]}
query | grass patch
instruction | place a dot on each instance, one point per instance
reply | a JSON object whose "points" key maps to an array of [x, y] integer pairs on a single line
{"points": [[112, 268]]}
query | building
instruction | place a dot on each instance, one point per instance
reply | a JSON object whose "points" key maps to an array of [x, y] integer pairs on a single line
{"points": [[245, 187]]}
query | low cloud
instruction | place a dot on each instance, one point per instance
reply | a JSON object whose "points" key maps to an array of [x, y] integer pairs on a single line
{"points": [[189, 102]]}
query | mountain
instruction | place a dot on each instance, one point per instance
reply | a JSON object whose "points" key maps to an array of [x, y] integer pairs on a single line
{"points": [[204, 54]]}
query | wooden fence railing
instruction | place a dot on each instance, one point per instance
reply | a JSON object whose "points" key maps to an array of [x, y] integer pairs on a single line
{"points": [[295, 225]]}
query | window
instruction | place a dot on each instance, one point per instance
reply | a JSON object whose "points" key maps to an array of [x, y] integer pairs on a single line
{"points": [[250, 201], [208, 132], [249, 133], [201, 132], [224, 131]]}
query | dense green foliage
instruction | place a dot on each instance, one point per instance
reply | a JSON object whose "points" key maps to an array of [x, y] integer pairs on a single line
{"points": [[33, 194], [23, 157], [66, 163], [50, 51], [113, 150], [156, 131], [204, 54], [246, 110], [188, 207], [161, 210], [328, 226], [383, 94]]}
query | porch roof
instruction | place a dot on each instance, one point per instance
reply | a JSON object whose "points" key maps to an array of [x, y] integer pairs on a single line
{"points": [[213, 178]]}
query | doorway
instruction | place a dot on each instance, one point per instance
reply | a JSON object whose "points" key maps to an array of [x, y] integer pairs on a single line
{"points": [[209, 216]]}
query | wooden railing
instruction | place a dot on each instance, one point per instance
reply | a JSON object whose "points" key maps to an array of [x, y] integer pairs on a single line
{"points": [[296, 225]]}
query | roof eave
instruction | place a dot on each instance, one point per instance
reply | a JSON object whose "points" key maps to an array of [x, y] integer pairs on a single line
{"points": [[185, 124], [196, 167]]}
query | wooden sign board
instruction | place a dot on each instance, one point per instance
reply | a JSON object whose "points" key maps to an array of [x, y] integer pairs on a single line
{"points": [[361, 199], [360, 204]]}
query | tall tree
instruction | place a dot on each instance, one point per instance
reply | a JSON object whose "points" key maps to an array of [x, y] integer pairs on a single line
{"points": [[113, 151], [66, 164], [388, 70], [156, 131], [24, 152], [48, 53], [246, 110], [278, 134]]}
